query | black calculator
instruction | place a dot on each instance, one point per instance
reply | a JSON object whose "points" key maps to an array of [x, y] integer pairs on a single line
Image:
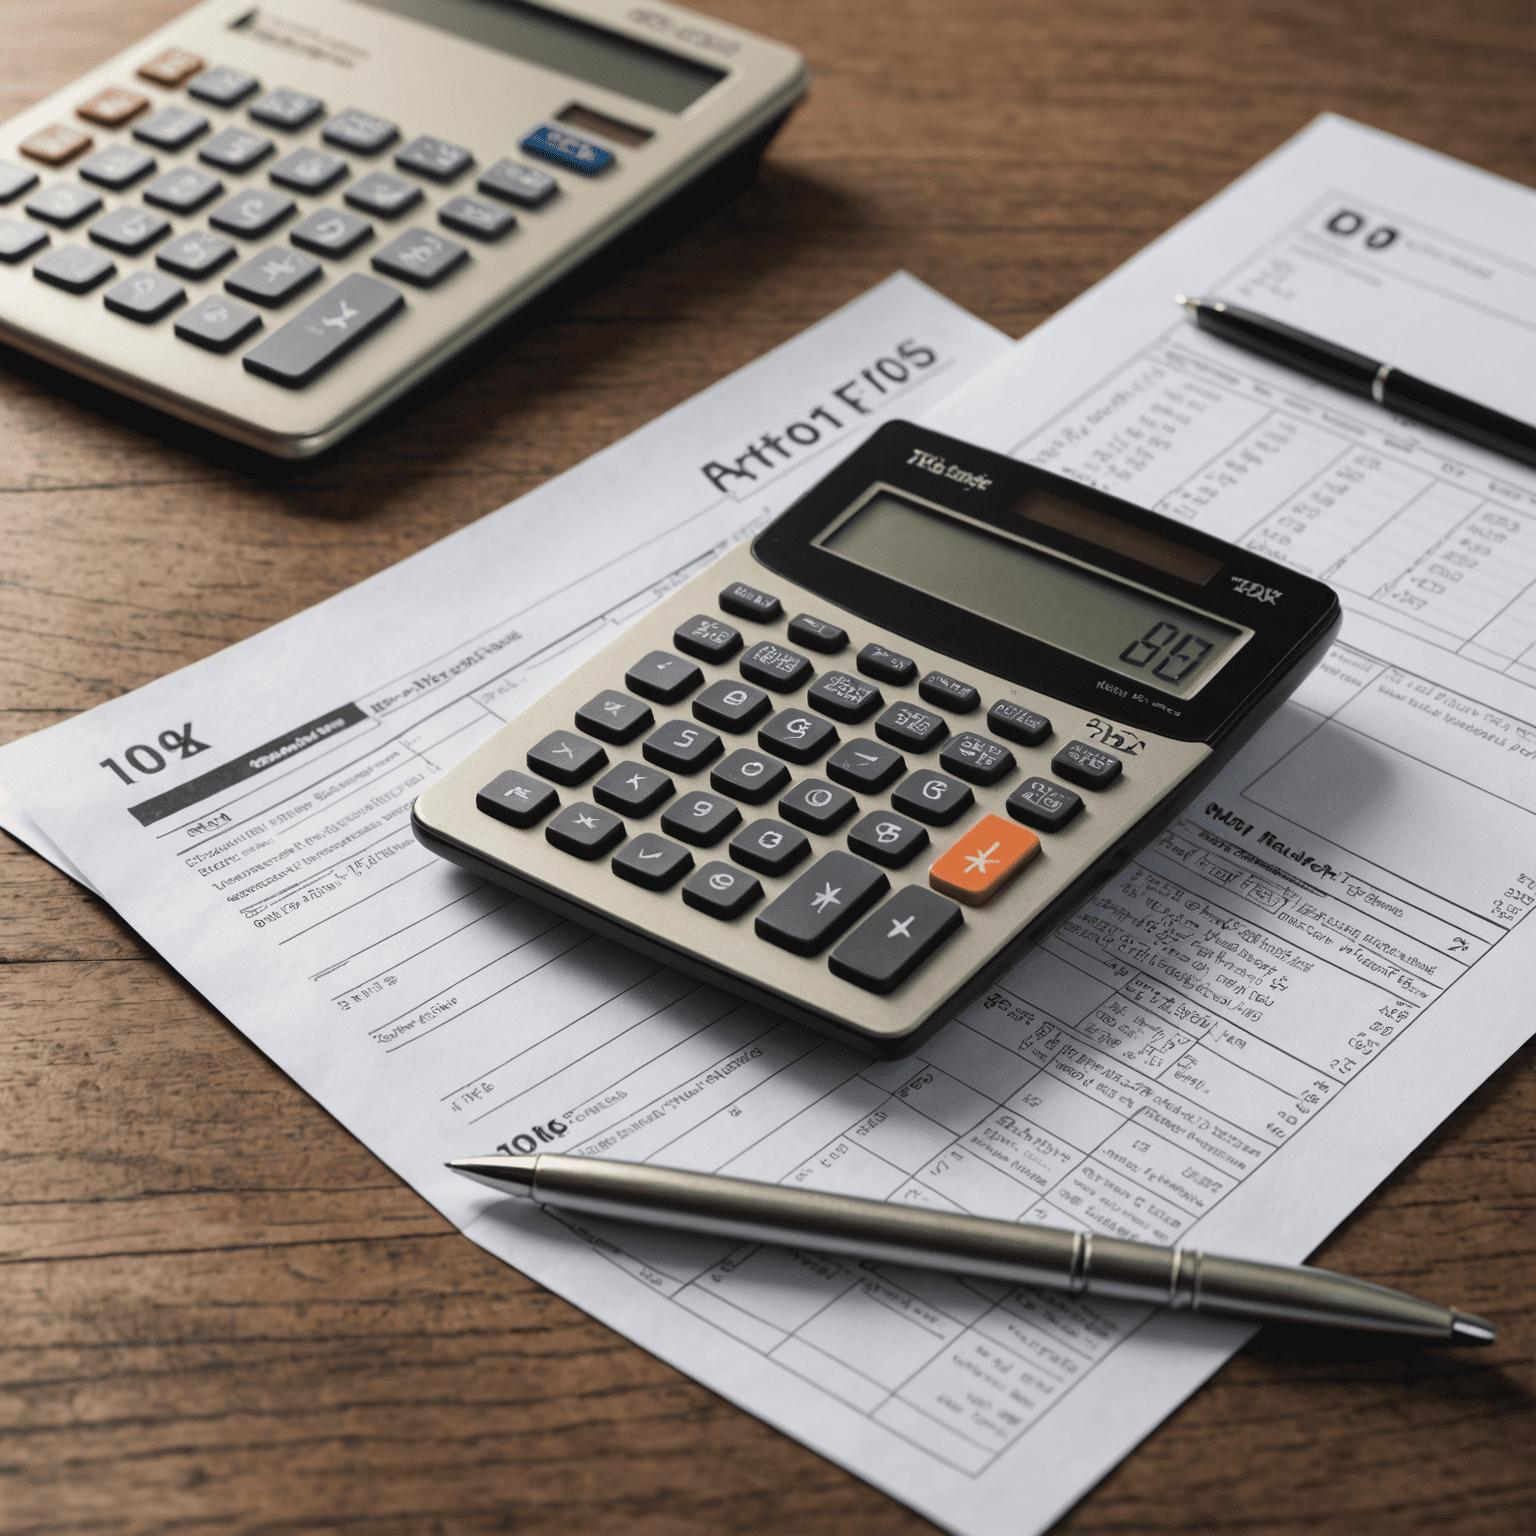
{"points": [[850, 772], [272, 221]]}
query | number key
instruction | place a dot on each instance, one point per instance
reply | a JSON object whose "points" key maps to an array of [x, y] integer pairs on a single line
{"points": [[888, 839], [932, 797], [633, 789], [731, 706], [614, 716], [663, 677], [584, 830], [796, 736], [681, 748], [750, 776], [566, 758], [700, 819], [865, 765], [769, 847], [721, 891], [816, 806]]}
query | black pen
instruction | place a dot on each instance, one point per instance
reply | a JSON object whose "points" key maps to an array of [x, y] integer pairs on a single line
{"points": [[1361, 375]]}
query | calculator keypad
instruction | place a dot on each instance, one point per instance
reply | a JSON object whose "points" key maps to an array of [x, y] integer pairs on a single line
{"points": [[218, 324], [797, 736], [236, 149], [633, 789], [273, 276], [887, 947], [145, 297], [932, 797], [19, 239], [700, 819], [288, 109], [183, 190], [14, 180], [825, 901], [749, 776], [74, 268], [585, 831], [722, 892], [731, 706], [129, 229], [117, 166], [361, 132], [325, 330], [614, 716], [770, 847], [63, 204], [383, 195], [251, 214], [652, 862]]}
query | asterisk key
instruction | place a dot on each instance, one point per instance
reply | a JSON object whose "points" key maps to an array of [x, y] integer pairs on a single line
{"points": [[976, 863]]}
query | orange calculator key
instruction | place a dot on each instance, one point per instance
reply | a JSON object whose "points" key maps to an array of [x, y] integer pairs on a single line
{"points": [[112, 107], [171, 67], [978, 865], [55, 144]]}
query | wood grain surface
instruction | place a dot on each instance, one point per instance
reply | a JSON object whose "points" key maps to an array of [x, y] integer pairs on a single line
{"points": [[218, 1312]]}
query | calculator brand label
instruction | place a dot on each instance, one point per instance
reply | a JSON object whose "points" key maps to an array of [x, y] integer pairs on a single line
{"points": [[1256, 590], [297, 37], [946, 471]]}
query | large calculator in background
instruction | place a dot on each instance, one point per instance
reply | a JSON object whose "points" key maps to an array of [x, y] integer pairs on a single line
{"points": [[849, 772], [271, 221]]}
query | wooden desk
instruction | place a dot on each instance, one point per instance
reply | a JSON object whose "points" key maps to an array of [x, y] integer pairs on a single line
{"points": [[217, 1312]]}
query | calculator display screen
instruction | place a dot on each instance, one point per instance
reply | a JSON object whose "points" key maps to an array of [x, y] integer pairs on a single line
{"points": [[1136, 633], [575, 48]]}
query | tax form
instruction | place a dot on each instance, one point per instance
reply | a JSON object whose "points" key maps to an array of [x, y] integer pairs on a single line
{"points": [[1169, 1065]]}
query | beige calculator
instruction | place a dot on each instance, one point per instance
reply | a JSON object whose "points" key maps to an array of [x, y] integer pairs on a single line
{"points": [[849, 772], [273, 220]]}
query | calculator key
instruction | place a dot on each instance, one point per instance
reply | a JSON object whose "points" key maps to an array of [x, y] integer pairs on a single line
{"points": [[252, 213], [472, 216], [769, 847], [171, 128], [731, 706], [273, 276], [64, 203], [975, 758], [774, 667], [195, 254], [663, 677], [145, 296], [383, 194], [519, 184], [55, 144], [1045, 806], [721, 891], [432, 157], [308, 170], [129, 229], [330, 233], [911, 726], [865, 765], [568, 149], [112, 107], [978, 864], [887, 838], [750, 776], [14, 180], [932, 797], [817, 634], [827, 899], [949, 692], [74, 268], [1083, 764], [324, 331], [651, 862], [1017, 723], [889, 945], [886, 666], [286, 108], [183, 189], [748, 603], [516, 799], [681, 748], [236, 149], [19, 238], [117, 166], [584, 830], [797, 736], [218, 324], [171, 67], [633, 789], [700, 818], [614, 716], [817, 806], [222, 86], [844, 697], [566, 757], [420, 257], [361, 131], [708, 639]]}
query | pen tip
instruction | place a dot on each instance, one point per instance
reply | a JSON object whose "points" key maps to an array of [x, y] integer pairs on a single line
{"points": [[1467, 1329], [509, 1175], [1184, 302]]}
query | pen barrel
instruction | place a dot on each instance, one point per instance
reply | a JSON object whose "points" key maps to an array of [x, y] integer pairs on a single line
{"points": [[1436, 407], [769, 1213], [1339, 366]]}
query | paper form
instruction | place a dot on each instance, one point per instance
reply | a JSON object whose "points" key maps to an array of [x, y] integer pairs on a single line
{"points": [[1165, 1066]]}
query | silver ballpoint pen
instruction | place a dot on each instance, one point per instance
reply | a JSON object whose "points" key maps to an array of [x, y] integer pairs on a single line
{"points": [[1077, 1262]]}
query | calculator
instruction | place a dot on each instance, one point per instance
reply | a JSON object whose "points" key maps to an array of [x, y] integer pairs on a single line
{"points": [[273, 221], [850, 772]]}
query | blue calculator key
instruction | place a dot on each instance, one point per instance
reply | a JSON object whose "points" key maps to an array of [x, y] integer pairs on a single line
{"points": [[19, 238], [14, 180], [721, 891], [328, 232], [285, 108], [520, 184], [170, 128], [74, 268], [218, 324], [222, 86], [516, 799], [117, 166], [145, 296], [420, 257], [324, 331], [585, 831], [567, 149], [651, 862]]}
